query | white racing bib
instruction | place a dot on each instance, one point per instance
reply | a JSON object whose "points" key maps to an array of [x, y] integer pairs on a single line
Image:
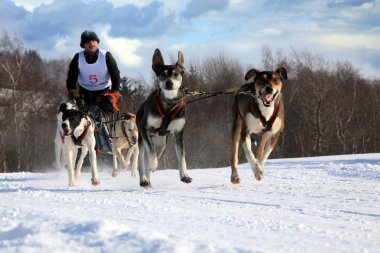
{"points": [[94, 76]]}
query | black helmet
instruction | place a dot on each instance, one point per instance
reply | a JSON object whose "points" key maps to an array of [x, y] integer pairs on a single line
{"points": [[87, 36]]}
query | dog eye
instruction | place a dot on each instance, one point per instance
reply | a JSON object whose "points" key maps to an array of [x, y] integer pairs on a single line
{"points": [[175, 74], [261, 82], [163, 75], [130, 130]]}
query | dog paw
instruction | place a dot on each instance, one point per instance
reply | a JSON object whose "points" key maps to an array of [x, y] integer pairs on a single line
{"points": [[77, 175], [154, 164], [259, 173], [115, 173], [186, 179], [125, 166], [145, 184], [235, 180], [134, 173], [71, 184], [95, 181]]}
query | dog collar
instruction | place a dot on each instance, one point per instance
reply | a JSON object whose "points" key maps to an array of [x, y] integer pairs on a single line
{"points": [[124, 131]]}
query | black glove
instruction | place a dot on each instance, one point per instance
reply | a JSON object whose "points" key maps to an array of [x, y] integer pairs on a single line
{"points": [[81, 105], [73, 94]]}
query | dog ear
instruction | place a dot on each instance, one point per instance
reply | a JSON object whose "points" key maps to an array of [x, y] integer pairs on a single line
{"points": [[181, 62], [82, 114], [282, 72], [130, 116], [251, 73], [157, 61]]}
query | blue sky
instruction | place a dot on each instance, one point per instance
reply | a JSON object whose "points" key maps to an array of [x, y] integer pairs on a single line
{"points": [[339, 30]]}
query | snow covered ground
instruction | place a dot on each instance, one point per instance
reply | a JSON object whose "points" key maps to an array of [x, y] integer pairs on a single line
{"points": [[321, 204]]}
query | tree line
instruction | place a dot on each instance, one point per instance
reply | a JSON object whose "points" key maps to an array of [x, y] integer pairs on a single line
{"points": [[330, 108]]}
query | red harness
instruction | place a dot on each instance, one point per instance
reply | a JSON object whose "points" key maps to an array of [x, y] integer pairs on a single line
{"points": [[163, 112], [167, 116], [80, 137], [267, 124]]}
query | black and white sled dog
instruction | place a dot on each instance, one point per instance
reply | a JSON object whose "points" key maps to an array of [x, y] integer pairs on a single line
{"points": [[125, 135], [76, 131], [60, 158], [64, 107], [161, 114]]}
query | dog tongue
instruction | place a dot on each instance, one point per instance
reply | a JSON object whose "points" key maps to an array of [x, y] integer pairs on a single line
{"points": [[267, 98]]}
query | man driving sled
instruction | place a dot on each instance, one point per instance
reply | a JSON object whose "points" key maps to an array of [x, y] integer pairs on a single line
{"points": [[98, 76]]}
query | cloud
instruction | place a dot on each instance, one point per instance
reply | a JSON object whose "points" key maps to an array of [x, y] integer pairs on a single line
{"points": [[62, 18], [141, 22], [140, 3], [61, 44], [30, 5], [352, 41], [270, 31], [124, 50], [131, 29], [199, 7], [346, 3], [12, 16]]}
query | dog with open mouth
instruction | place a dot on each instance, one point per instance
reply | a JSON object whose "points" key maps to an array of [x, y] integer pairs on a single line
{"points": [[64, 107], [161, 114], [60, 157], [258, 111], [77, 130]]}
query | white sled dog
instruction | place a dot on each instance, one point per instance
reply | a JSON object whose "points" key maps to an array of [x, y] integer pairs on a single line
{"points": [[260, 112], [125, 134], [78, 132]]}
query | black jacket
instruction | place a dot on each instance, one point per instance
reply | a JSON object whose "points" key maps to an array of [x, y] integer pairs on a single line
{"points": [[73, 73]]}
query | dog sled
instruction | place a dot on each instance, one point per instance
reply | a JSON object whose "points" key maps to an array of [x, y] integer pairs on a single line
{"points": [[104, 121]]}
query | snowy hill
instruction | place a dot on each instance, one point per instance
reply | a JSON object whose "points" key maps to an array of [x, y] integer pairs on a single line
{"points": [[321, 204]]}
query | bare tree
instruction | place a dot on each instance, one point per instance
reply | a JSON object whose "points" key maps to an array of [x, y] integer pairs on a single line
{"points": [[11, 65], [346, 78]]}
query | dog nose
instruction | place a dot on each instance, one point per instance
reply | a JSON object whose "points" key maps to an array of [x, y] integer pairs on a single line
{"points": [[64, 125], [169, 84], [268, 89]]}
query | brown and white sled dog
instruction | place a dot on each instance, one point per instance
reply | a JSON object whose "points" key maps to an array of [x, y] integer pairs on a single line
{"points": [[261, 112], [60, 158], [78, 131], [125, 135], [161, 114]]}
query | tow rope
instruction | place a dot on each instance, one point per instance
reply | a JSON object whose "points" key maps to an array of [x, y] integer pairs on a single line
{"points": [[239, 89]]}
